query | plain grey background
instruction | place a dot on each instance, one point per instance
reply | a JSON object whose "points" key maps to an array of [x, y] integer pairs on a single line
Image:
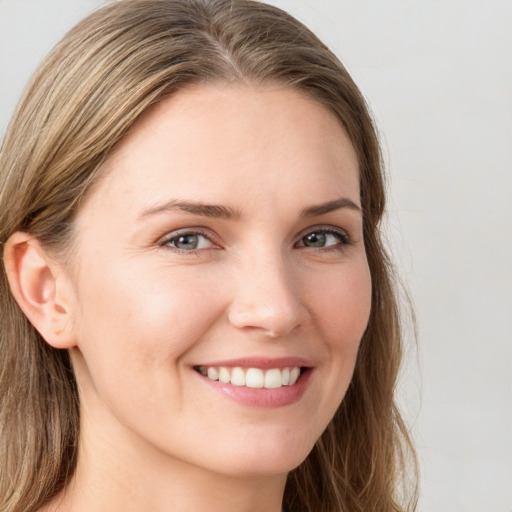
{"points": [[438, 76]]}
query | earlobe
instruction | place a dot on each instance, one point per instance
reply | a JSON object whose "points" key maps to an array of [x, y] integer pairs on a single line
{"points": [[38, 287]]}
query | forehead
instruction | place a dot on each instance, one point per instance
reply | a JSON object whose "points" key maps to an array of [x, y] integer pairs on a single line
{"points": [[226, 141]]}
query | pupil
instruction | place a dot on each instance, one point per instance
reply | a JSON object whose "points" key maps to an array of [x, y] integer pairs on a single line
{"points": [[315, 240], [187, 242]]}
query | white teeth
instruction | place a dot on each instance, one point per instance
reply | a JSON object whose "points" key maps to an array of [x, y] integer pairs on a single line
{"points": [[273, 379], [224, 375], [252, 377], [294, 375], [238, 377], [212, 373]]}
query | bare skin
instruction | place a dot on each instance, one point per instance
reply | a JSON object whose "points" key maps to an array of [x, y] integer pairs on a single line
{"points": [[162, 287]]}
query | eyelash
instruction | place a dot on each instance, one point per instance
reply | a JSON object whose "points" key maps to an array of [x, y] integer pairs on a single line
{"points": [[342, 236], [166, 240]]}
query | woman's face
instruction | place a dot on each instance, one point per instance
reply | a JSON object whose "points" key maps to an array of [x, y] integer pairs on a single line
{"points": [[224, 241]]}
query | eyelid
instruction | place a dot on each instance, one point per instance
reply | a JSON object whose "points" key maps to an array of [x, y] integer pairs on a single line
{"points": [[164, 240], [345, 238]]}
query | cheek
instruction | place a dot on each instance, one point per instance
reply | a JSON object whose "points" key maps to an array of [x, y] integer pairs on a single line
{"points": [[339, 300], [342, 303], [135, 321], [135, 329], [341, 312]]}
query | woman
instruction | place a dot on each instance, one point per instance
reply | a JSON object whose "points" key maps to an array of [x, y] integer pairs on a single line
{"points": [[197, 311]]}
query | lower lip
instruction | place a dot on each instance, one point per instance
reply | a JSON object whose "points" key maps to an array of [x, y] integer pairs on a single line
{"points": [[262, 397]]}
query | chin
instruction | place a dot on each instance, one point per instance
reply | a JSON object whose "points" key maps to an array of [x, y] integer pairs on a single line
{"points": [[262, 459]]}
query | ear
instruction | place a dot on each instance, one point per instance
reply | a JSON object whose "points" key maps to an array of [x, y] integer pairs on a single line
{"points": [[41, 289]]}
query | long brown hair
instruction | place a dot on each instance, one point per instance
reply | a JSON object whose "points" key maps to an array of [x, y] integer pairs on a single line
{"points": [[84, 97]]}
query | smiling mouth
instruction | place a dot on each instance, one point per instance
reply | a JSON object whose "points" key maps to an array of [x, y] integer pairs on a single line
{"points": [[271, 378]]}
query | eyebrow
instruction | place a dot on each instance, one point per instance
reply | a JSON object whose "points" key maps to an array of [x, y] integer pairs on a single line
{"points": [[226, 212], [196, 208], [337, 204]]}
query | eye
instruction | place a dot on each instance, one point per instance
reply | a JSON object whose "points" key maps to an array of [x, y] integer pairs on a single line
{"points": [[187, 241], [322, 238]]}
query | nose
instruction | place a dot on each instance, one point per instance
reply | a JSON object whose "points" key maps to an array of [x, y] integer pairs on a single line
{"points": [[267, 299]]}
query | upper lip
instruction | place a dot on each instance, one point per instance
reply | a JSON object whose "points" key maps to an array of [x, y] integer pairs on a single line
{"points": [[263, 363]]}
